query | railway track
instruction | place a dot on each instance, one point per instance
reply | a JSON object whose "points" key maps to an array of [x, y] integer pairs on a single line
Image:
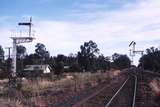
{"points": [[143, 94], [126, 95], [98, 98], [112, 96], [134, 91]]}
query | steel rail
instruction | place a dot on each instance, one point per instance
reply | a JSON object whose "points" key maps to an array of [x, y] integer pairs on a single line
{"points": [[107, 105], [134, 95], [135, 91]]}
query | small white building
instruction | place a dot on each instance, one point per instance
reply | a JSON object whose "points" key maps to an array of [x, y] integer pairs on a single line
{"points": [[44, 68]]}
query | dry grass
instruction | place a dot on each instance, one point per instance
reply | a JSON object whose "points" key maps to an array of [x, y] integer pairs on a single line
{"points": [[69, 80], [155, 85], [70, 83], [36, 85], [10, 103]]}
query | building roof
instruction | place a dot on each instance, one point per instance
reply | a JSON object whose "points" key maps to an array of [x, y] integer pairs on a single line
{"points": [[35, 67]]}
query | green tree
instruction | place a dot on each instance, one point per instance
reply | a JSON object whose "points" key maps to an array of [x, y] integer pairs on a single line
{"points": [[42, 52], [1, 53], [103, 63], [21, 51], [151, 60], [1, 58], [41, 56], [59, 66], [120, 61], [32, 59], [87, 54], [3, 73]]}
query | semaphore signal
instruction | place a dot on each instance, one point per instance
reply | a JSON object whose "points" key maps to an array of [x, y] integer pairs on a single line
{"points": [[133, 51], [19, 40]]}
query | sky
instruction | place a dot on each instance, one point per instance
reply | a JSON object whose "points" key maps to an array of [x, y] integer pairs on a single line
{"points": [[64, 25]]}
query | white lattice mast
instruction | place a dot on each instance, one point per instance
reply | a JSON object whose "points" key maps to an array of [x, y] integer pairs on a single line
{"points": [[133, 52], [18, 40]]}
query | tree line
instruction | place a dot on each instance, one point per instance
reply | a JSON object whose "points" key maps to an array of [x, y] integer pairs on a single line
{"points": [[87, 59], [151, 60]]}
